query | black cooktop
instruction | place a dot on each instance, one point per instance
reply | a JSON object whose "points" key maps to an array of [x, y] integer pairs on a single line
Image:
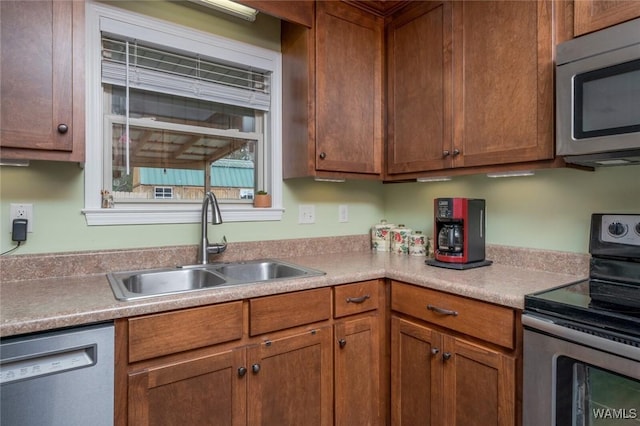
{"points": [[609, 300], [596, 304]]}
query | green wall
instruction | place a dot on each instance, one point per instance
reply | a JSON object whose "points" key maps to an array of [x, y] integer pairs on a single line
{"points": [[549, 211], [56, 191]]}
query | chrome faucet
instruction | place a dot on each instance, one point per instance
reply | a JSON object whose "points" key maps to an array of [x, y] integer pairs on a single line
{"points": [[216, 219]]}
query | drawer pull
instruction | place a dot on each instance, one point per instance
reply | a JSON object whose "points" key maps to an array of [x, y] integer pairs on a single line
{"points": [[255, 368], [242, 371], [342, 343], [446, 356], [435, 351], [358, 299], [442, 311]]}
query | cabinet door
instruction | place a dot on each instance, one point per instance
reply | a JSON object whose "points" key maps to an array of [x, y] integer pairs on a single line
{"points": [[39, 40], [348, 89], [503, 82], [416, 374], [592, 15], [357, 372], [479, 385], [208, 390], [419, 69], [290, 380]]}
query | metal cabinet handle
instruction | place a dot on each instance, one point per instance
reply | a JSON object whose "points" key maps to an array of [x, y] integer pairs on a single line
{"points": [[242, 371], [445, 153], [446, 356], [435, 351], [323, 155], [255, 368], [63, 128], [358, 299], [456, 152], [442, 311], [342, 343]]}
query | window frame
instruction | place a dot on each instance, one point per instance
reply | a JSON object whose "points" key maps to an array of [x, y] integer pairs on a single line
{"points": [[184, 38], [164, 191]]}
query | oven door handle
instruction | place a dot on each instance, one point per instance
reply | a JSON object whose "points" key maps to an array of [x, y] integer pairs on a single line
{"points": [[546, 326]]}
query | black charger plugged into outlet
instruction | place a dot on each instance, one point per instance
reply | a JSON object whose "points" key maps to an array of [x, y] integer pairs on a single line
{"points": [[19, 230]]}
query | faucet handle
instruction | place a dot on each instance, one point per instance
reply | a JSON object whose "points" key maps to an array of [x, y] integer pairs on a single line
{"points": [[217, 248]]}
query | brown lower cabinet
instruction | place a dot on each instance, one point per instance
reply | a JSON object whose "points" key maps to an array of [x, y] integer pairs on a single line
{"points": [[199, 390], [289, 380], [255, 362], [438, 379], [440, 376], [366, 353]]}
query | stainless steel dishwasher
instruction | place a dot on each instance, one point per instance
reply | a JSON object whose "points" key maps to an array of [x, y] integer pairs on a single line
{"points": [[62, 377]]}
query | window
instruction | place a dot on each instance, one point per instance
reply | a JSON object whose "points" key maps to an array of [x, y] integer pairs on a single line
{"points": [[163, 192], [172, 113]]}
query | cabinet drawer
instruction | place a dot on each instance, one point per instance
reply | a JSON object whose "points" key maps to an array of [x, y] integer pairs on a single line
{"points": [[492, 323], [163, 334], [282, 311], [355, 298]]}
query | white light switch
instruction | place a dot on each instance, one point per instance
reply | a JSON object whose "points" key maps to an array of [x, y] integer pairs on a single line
{"points": [[343, 213]]}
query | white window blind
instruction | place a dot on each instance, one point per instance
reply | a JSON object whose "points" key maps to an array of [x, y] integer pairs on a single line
{"points": [[183, 74]]}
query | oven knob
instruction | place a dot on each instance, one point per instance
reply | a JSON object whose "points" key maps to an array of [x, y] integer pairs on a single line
{"points": [[617, 229]]}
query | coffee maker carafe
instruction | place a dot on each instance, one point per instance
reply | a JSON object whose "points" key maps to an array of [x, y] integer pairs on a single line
{"points": [[459, 232], [451, 239]]}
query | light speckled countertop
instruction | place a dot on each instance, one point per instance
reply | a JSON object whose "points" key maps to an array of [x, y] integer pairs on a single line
{"points": [[47, 303]]}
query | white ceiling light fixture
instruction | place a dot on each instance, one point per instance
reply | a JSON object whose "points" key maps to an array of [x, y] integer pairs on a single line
{"points": [[518, 173], [231, 8]]}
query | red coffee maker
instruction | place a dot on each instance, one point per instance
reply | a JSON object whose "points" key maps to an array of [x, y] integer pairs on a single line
{"points": [[459, 233]]}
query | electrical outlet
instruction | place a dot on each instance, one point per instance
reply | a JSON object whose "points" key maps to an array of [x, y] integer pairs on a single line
{"points": [[21, 211], [343, 213], [306, 213]]}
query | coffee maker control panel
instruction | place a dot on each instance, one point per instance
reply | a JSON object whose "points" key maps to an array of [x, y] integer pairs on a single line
{"points": [[447, 208]]}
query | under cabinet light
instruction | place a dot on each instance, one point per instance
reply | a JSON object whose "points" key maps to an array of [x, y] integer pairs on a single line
{"points": [[230, 8], [319, 179], [434, 179], [518, 173], [10, 162]]}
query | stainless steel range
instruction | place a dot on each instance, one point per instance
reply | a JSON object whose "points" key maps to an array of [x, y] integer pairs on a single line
{"points": [[582, 340]]}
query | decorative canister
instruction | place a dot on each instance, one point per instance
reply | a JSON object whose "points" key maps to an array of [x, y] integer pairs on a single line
{"points": [[430, 248], [381, 236], [417, 244], [400, 239]]}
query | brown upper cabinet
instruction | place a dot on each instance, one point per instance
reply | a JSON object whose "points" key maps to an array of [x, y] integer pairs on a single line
{"points": [[592, 15], [419, 74], [469, 84], [41, 80], [332, 99]]}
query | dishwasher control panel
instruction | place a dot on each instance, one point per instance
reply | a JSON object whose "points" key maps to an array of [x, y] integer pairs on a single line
{"points": [[45, 364]]}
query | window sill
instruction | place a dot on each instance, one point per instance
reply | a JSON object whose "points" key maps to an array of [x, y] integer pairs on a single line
{"points": [[189, 214]]}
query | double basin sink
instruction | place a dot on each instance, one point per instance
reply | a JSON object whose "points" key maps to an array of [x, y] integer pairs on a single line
{"points": [[157, 282]]}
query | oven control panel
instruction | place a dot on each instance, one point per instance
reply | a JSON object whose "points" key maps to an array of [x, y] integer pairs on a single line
{"points": [[621, 229]]}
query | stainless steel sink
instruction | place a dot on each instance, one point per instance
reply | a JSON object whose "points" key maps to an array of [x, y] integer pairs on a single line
{"points": [[135, 284], [157, 282], [262, 270]]}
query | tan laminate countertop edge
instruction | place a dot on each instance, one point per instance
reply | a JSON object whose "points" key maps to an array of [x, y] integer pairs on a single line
{"points": [[38, 305]]}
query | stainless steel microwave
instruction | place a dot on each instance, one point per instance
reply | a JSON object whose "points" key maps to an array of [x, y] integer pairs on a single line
{"points": [[598, 97]]}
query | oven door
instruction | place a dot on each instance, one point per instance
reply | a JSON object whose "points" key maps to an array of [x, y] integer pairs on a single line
{"points": [[572, 378]]}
